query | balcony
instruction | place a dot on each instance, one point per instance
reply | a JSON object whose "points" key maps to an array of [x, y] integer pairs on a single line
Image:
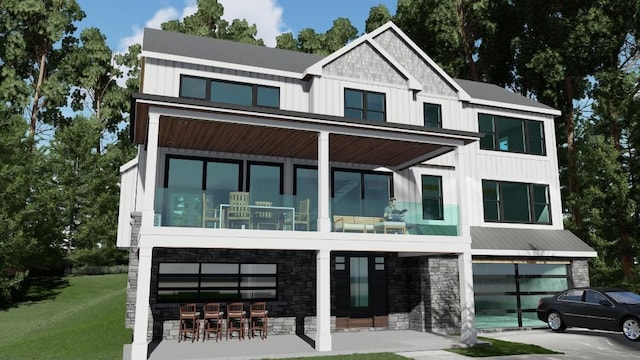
{"points": [[197, 209]]}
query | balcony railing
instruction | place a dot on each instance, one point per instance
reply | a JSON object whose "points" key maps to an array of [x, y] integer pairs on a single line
{"points": [[193, 208]]}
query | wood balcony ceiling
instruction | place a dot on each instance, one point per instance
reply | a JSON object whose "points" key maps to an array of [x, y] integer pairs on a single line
{"points": [[285, 142]]}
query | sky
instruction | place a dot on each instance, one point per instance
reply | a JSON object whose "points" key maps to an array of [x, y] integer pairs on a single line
{"points": [[122, 21]]}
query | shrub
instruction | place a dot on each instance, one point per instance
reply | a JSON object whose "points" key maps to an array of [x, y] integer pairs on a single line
{"points": [[12, 286]]}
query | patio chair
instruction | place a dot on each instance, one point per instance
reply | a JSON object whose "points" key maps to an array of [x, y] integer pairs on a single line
{"points": [[238, 211], [302, 216], [258, 319], [264, 217], [189, 323], [236, 320], [212, 318], [209, 212]]}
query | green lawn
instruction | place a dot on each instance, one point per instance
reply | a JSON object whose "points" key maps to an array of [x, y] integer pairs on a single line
{"points": [[75, 318]]}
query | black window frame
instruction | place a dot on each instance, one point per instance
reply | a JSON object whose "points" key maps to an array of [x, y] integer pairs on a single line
{"points": [[439, 198], [430, 123], [501, 204], [364, 109], [254, 91], [199, 289], [491, 138]]}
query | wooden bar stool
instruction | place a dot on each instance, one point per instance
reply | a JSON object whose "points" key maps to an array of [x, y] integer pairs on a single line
{"points": [[212, 321], [189, 323], [258, 319], [236, 320]]}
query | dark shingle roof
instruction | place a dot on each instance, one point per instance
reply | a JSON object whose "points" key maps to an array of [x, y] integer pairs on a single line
{"points": [[491, 92], [174, 43], [487, 238], [200, 47]]}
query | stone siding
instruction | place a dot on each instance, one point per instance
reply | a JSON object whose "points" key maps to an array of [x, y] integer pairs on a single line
{"points": [[579, 275], [132, 278]]}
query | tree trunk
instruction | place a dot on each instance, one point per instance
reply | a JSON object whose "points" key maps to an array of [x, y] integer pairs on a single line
{"points": [[571, 151], [468, 52], [36, 96]]}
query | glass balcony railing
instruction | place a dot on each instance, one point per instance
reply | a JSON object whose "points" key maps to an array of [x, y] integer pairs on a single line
{"points": [[233, 209], [408, 217], [244, 210]]}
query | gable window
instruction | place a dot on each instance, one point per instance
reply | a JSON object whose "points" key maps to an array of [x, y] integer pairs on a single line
{"points": [[365, 105], [511, 134], [432, 198], [516, 202], [432, 114], [201, 282], [229, 92]]}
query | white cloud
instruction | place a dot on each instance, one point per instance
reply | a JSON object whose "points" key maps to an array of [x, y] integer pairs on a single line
{"points": [[266, 14]]}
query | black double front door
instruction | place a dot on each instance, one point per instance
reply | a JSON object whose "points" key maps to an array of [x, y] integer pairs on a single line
{"points": [[359, 285]]}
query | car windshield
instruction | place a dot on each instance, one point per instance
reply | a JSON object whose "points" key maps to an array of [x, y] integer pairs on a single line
{"points": [[624, 297]]}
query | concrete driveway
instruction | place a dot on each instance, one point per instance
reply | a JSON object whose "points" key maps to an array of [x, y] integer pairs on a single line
{"points": [[575, 343]]}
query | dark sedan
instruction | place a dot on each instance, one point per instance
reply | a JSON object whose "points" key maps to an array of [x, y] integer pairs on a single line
{"points": [[593, 308]]}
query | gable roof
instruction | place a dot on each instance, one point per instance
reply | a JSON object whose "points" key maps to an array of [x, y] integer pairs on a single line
{"points": [[181, 47], [173, 43]]}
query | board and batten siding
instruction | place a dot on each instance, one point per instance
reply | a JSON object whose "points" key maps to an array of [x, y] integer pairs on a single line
{"points": [[327, 97], [162, 77]]}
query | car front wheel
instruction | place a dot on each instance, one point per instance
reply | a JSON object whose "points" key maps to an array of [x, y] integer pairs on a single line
{"points": [[631, 329], [555, 322]]}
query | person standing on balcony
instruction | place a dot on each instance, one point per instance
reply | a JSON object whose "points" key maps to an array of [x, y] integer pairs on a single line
{"points": [[392, 213]]}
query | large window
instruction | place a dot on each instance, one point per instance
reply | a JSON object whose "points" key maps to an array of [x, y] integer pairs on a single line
{"points": [[229, 92], [187, 179], [200, 282], [511, 135], [365, 105], [360, 193], [432, 115], [507, 294], [432, 198], [515, 202], [265, 182]]}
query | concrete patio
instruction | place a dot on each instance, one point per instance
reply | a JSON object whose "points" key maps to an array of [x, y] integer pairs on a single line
{"points": [[286, 346]]}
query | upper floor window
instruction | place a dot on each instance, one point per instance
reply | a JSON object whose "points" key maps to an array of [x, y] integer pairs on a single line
{"points": [[365, 105], [432, 198], [512, 135], [432, 114], [229, 92], [516, 202]]}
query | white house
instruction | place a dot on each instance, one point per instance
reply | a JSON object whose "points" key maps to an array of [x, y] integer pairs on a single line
{"points": [[263, 174]]}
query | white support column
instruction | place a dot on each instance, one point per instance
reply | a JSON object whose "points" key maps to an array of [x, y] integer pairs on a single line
{"points": [[140, 327], [323, 301], [324, 175], [468, 333], [148, 199], [461, 180]]}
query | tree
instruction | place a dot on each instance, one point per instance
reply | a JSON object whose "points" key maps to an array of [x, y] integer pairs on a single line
{"points": [[378, 16], [322, 44], [207, 21], [35, 36], [91, 68]]}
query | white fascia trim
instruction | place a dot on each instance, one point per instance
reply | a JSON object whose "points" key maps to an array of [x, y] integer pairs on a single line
{"points": [[131, 163], [414, 84], [221, 64], [512, 106], [549, 253], [189, 111], [316, 69], [463, 96]]}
